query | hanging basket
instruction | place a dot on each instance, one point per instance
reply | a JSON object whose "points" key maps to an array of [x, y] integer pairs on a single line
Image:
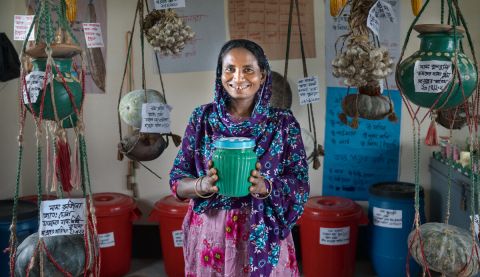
{"points": [[281, 92], [130, 108], [447, 249], [67, 251], [438, 43], [62, 101], [454, 118], [142, 147]]}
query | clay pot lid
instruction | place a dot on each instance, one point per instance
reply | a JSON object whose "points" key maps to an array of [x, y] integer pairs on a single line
{"points": [[436, 28], [60, 50]]}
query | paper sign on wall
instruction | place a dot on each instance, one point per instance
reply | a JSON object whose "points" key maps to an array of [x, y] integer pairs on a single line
{"points": [[169, 4], [21, 26], [387, 218], [106, 240], [62, 217], [177, 238], [379, 10], [308, 90], [155, 118], [432, 76], [335, 236], [34, 81], [93, 35]]}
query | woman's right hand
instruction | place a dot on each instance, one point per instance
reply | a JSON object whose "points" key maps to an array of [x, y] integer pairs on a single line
{"points": [[207, 185]]}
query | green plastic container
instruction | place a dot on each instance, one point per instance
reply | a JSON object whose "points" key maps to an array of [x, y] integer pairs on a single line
{"points": [[234, 160]]}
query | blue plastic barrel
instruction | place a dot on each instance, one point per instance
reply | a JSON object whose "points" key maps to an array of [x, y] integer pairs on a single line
{"points": [[27, 223], [391, 215]]}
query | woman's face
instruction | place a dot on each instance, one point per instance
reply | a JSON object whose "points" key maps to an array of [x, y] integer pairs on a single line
{"points": [[241, 75]]}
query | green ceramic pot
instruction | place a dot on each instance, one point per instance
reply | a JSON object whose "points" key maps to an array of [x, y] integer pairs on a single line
{"points": [[62, 99], [234, 160], [438, 43]]}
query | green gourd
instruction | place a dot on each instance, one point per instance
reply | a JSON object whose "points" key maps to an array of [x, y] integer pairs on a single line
{"points": [[447, 249]]}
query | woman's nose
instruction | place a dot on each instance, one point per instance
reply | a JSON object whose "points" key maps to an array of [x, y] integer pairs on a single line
{"points": [[238, 75]]}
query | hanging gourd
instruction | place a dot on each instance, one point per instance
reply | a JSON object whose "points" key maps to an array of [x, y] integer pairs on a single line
{"points": [[53, 91], [416, 6], [364, 65], [439, 47], [446, 249], [167, 33]]}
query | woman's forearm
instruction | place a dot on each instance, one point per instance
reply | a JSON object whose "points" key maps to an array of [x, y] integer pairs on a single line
{"points": [[186, 188]]}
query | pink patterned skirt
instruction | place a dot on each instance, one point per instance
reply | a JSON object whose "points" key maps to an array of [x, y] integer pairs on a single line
{"points": [[216, 244]]}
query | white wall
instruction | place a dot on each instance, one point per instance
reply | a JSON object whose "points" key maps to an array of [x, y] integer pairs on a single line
{"points": [[184, 92]]}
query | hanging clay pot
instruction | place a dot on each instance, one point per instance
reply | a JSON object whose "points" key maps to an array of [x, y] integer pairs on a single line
{"points": [[130, 108], [368, 104], [142, 146], [454, 118], [447, 249], [68, 251], [438, 43], [62, 100], [281, 92]]}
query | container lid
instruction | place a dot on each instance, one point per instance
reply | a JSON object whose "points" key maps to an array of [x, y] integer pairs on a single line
{"points": [[111, 203], [396, 190], [169, 206], [332, 208], [25, 210], [235, 143]]}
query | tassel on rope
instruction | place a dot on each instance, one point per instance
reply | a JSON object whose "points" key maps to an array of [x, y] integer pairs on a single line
{"points": [[63, 160], [354, 123], [76, 166], [343, 118], [392, 117], [432, 137]]}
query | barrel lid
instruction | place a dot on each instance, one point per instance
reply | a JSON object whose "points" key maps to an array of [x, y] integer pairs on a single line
{"points": [[332, 208], [235, 143], [396, 190], [169, 206], [112, 203], [25, 210]]}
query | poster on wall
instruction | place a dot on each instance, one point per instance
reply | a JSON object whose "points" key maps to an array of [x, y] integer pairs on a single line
{"points": [[96, 58], [357, 158], [266, 22], [207, 20]]}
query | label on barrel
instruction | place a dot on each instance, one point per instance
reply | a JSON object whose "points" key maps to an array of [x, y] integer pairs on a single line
{"points": [[335, 236], [106, 240], [387, 218], [177, 238]]}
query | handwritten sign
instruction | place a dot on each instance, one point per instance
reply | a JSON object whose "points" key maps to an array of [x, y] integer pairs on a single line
{"points": [[387, 218], [335, 236], [177, 238], [62, 217], [93, 35], [155, 118], [359, 157], [21, 25], [34, 80], [308, 90], [432, 76], [106, 240], [379, 10], [168, 4]]}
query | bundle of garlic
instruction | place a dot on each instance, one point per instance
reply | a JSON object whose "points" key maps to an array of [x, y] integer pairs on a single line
{"points": [[166, 31], [362, 64]]}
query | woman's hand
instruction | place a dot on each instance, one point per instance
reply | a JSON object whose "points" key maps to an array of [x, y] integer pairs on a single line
{"points": [[207, 184], [259, 185]]}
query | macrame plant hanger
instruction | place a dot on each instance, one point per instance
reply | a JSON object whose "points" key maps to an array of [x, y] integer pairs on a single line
{"points": [[52, 46], [139, 11], [318, 149], [456, 19]]}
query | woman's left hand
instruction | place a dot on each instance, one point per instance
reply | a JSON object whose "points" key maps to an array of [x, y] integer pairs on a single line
{"points": [[259, 185]]}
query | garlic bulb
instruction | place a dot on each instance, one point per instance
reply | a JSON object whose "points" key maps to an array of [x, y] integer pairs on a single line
{"points": [[362, 63], [166, 31]]}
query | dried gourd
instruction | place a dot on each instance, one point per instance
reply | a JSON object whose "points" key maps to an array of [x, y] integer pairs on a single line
{"points": [[71, 11], [416, 6], [336, 6]]}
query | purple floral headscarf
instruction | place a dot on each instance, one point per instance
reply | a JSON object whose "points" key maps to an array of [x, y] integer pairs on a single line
{"points": [[279, 149]]}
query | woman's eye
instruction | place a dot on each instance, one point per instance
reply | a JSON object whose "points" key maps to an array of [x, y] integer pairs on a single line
{"points": [[248, 70], [229, 69]]}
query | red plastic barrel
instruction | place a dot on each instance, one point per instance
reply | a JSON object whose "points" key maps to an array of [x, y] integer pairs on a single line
{"points": [[34, 198], [169, 213], [328, 234], [115, 214]]}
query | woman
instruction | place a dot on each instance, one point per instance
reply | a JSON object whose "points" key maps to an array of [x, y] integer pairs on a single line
{"points": [[242, 236]]}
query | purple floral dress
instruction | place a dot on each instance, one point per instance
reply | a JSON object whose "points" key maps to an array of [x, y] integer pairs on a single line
{"points": [[261, 243]]}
